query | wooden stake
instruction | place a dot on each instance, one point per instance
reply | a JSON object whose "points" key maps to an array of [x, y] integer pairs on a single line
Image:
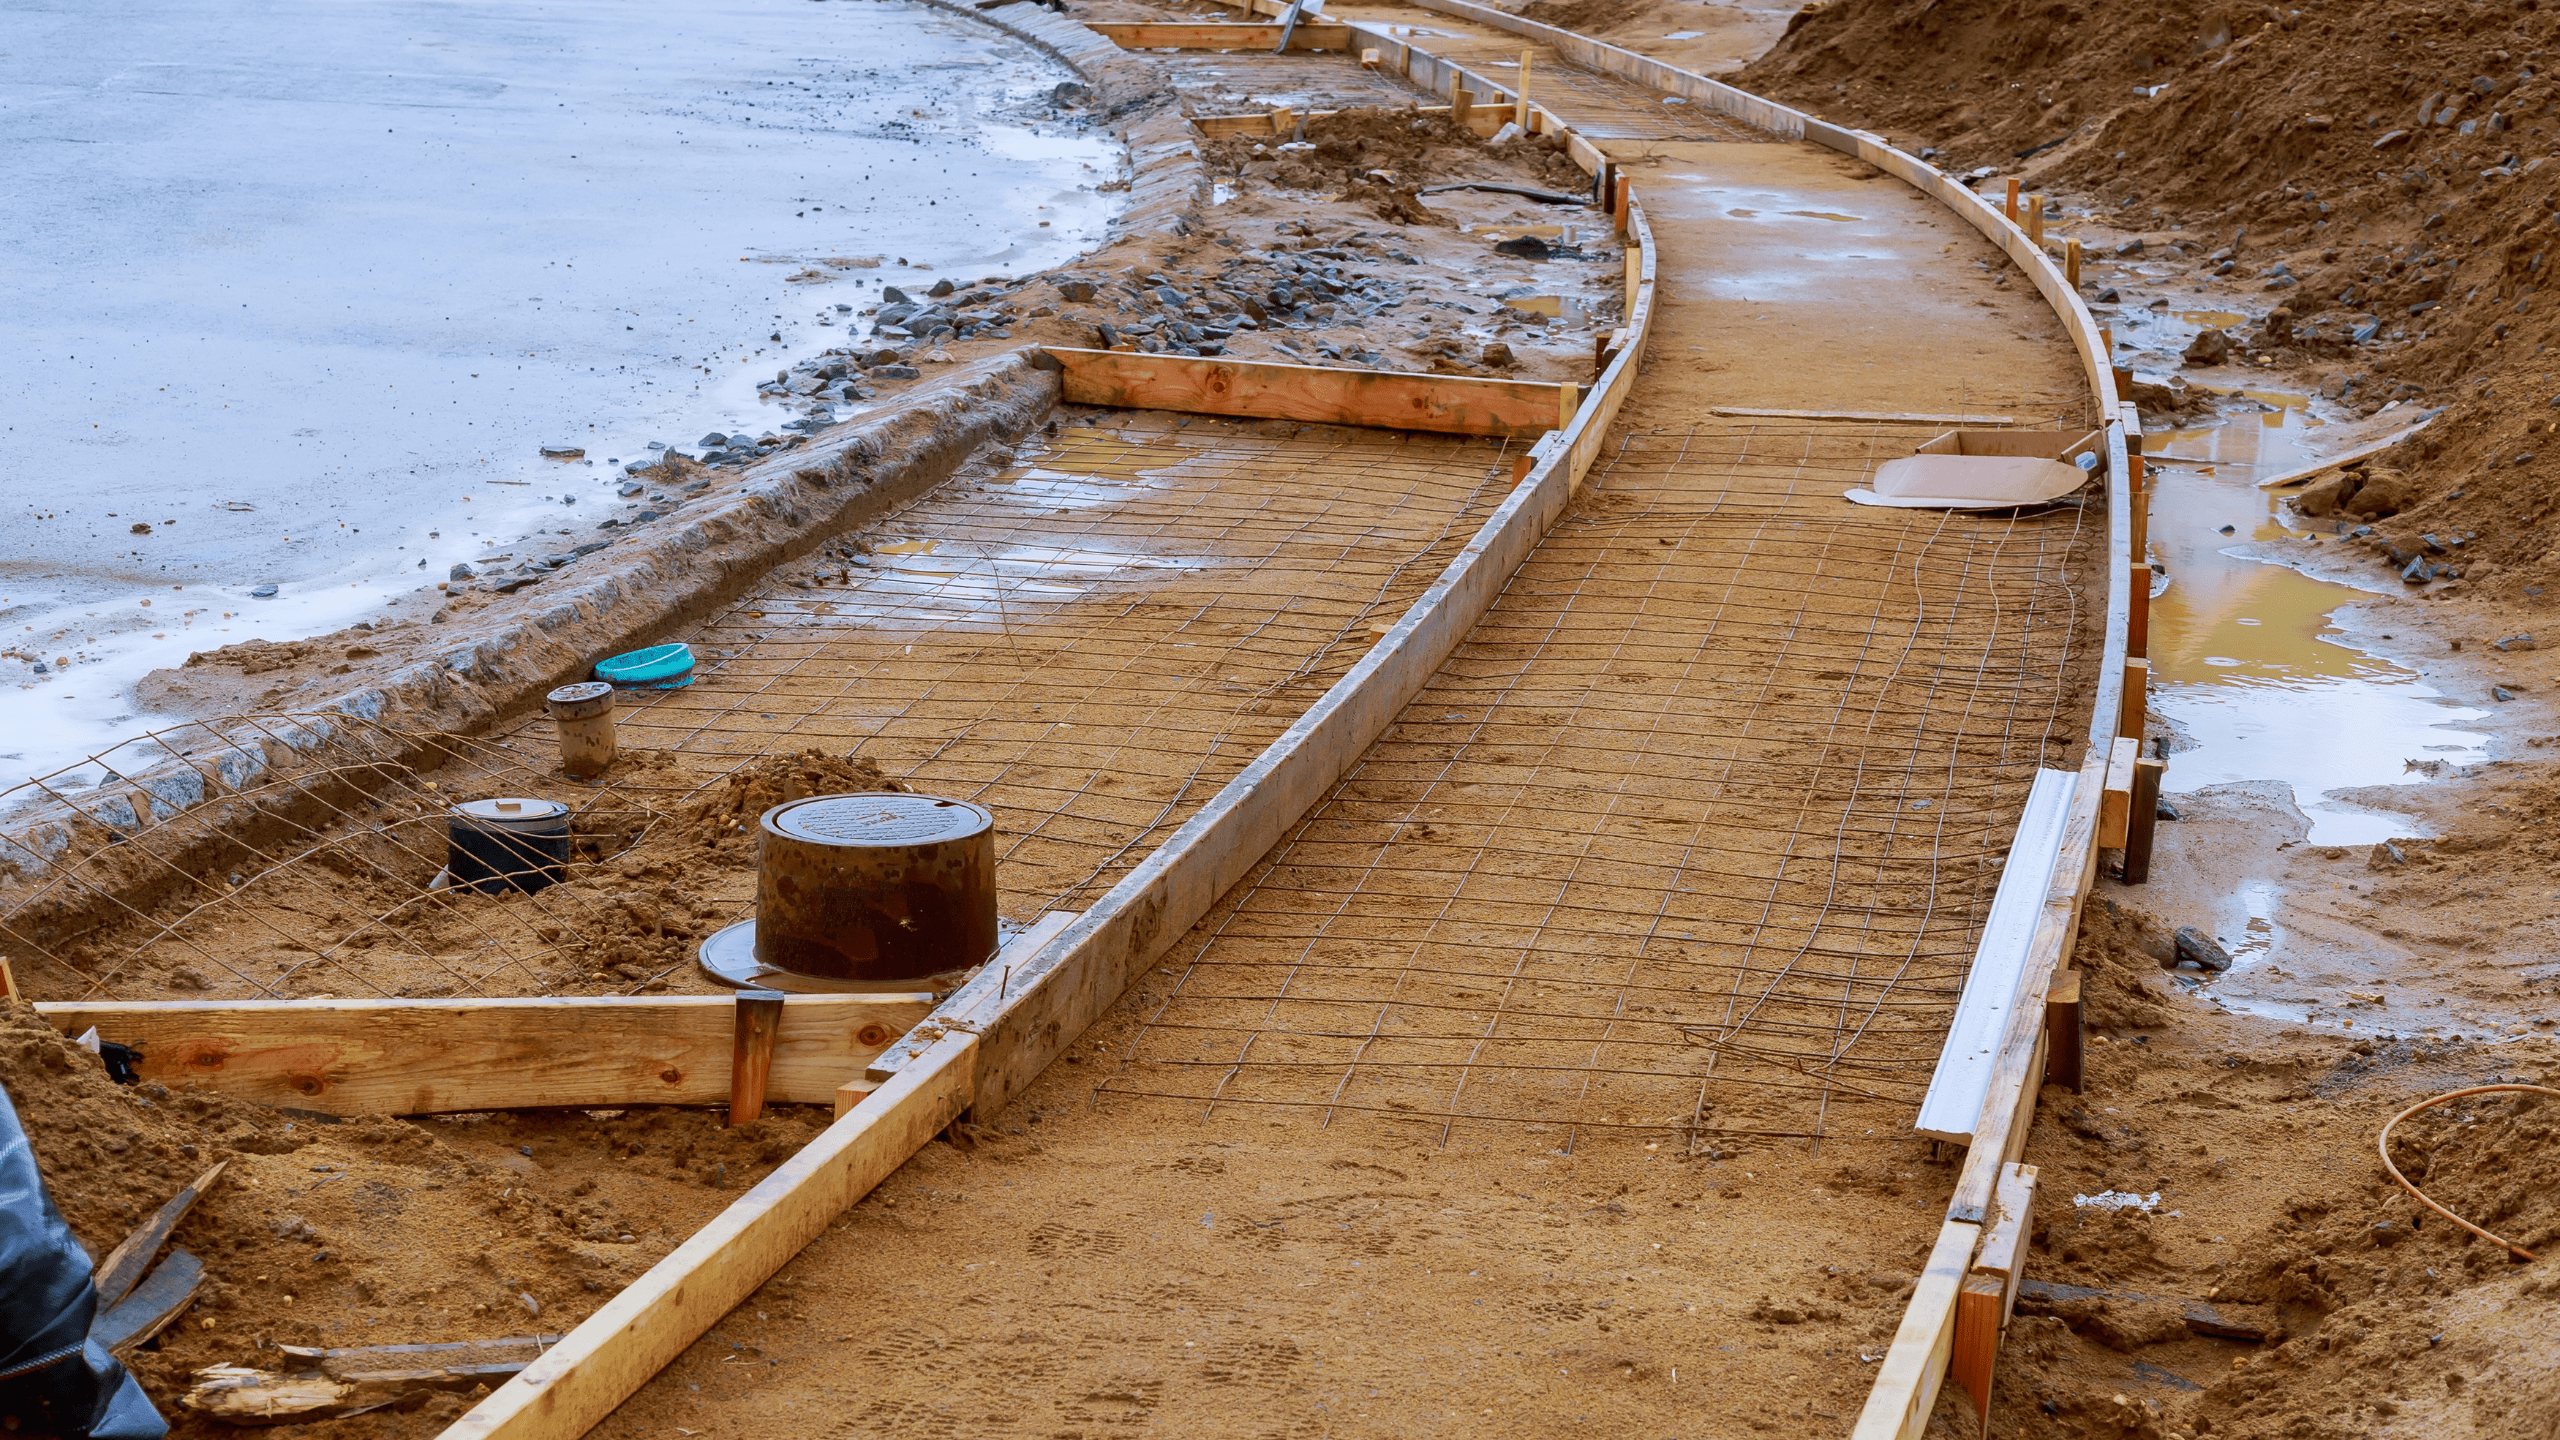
{"points": [[1368, 59], [2117, 802], [1521, 118], [1568, 400], [2009, 207], [1462, 105], [1977, 1343], [1281, 119], [1521, 465], [2137, 621], [2035, 221], [2071, 262], [759, 1017], [2063, 1038], [2144, 821], [1626, 193], [2137, 698]]}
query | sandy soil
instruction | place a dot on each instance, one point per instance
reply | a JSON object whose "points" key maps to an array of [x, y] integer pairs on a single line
{"points": [[1087, 1261]]}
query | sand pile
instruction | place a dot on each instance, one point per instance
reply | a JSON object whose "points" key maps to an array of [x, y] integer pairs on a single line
{"points": [[2376, 178], [373, 1231]]}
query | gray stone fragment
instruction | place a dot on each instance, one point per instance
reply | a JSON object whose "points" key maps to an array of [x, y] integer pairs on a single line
{"points": [[2200, 950]]}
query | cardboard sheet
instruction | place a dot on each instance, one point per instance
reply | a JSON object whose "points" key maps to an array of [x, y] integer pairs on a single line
{"points": [[1970, 482]]}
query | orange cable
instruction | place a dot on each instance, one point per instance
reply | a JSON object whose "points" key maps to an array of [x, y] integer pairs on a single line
{"points": [[2383, 1145]]}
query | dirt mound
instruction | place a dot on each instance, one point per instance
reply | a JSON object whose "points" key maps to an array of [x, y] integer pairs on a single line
{"points": [[728, 812], [1384, 156], [2367, 173], [372, 1231]]}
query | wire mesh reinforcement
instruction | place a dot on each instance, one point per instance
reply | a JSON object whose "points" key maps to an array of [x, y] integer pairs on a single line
{"points": [[1597, 104], [1088, 641], [1693, 833]]}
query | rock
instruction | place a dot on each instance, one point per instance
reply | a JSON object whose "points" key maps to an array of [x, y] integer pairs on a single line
{"points": [[2210, 347], [461, 572], [713, 441], [2107, 296], [2327, 495], [2513, 642], [563, 452], [2227, 529], [2417, 571], [2166, 811], [263, 592], [895, 372], [2501, 692], [1525, 247], [1167, 295], [2434, 546], [2200, 950], [2384, 493], [1076, 291], [941, 288], [892, 295], [2279, 324], [2384, 856], [1067, 92], [628, 488], [141, 527], [2129, 249], [1497, 355]]}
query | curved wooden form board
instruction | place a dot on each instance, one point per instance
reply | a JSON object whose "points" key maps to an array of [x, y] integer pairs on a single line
{"points": [[1316, 394]]}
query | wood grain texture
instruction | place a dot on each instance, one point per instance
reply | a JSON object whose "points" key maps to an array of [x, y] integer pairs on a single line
{"points": [[1316, 394], [422, 1057], [1906, 1384], [152, 1305], [615, 1351]]}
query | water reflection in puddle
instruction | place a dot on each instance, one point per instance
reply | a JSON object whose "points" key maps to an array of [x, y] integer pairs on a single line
{"points": [[2244, 659]]}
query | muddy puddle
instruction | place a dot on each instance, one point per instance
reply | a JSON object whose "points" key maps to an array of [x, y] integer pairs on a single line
{"points": [[2247, 661]]}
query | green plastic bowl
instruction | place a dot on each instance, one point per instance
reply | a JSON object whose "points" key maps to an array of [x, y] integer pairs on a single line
{"points": [[660, 667]]}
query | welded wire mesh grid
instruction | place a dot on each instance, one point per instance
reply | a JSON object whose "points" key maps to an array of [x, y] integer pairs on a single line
{"points": [[284, 856], [1088, 642], [1694, 833], [1597, 104]]}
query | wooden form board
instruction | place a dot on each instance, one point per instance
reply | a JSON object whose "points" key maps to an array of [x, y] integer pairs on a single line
{"points": [[420, 1057], [1316, 394], [1992, 984], [1309, 35]]}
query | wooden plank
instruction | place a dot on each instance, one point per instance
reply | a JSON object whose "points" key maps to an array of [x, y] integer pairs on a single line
{"points": [[1316, 394], [1150, 35], [393, 1357], [614, 1351], [2347, 457], [1970, 1057], [418, 1057], [151, 1306], [1895, 417], [2004, 1245], [2117, 803], [117, 1274], [2144, 822], [1906, 1385]]}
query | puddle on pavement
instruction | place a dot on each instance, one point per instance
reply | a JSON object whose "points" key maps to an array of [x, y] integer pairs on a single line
{"points": [[1554, 307], [1825, 215], [2209, 319], [2244, 659]]}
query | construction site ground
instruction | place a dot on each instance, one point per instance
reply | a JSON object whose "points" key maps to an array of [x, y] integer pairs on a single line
{"points": [[1554, 1075]]}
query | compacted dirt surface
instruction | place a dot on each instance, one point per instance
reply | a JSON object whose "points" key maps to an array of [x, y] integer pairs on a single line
{"points": [[1259, 1260]]}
